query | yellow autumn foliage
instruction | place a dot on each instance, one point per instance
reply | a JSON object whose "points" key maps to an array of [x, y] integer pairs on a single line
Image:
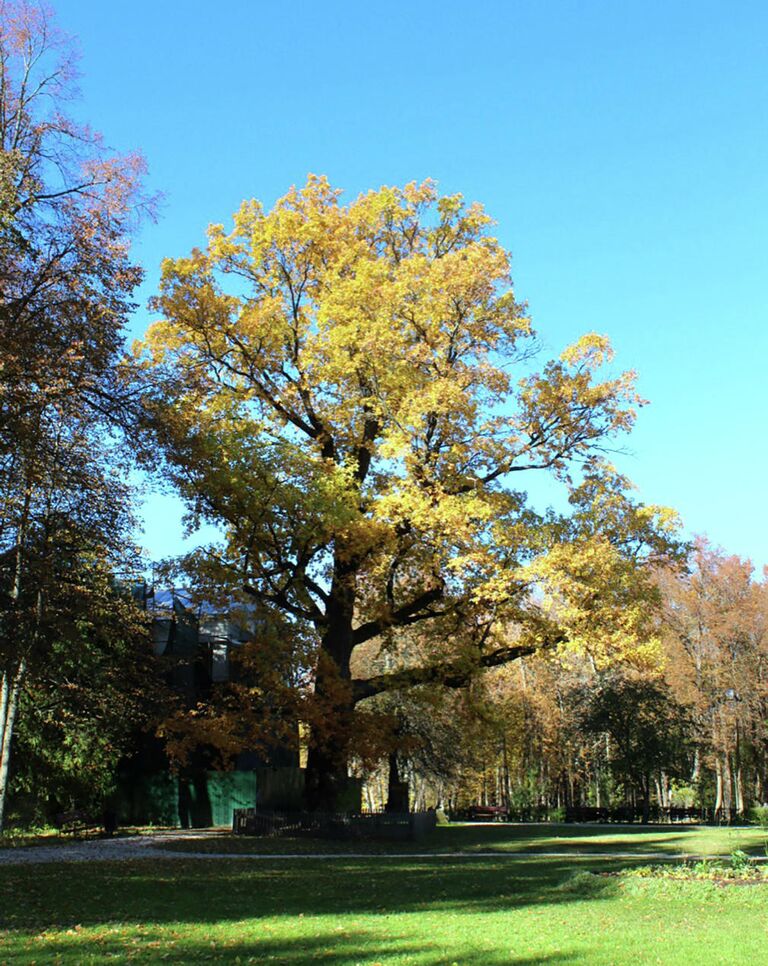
{"points": [[351, 390]]}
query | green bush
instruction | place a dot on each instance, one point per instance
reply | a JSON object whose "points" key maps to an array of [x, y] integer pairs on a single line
{"points": [[759, 815], [682, 794], [740, 862], [740, 868]]}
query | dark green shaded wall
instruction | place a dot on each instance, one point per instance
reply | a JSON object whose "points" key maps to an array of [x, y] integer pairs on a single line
{"points": [[206, 798]]}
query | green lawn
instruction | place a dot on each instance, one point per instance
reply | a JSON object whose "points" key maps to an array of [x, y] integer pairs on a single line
{"points": [[469, 910]]}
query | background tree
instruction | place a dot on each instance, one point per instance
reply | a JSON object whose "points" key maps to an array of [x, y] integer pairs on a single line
{"points": [[94, 686], [65, 287], [347, 391], [649, 730], [716, 637]]}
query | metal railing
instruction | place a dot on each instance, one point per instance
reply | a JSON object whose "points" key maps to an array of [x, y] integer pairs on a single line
{"points": [[667, 816]]}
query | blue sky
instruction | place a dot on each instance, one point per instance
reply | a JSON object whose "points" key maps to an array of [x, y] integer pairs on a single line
{"points": [[621, 146]]}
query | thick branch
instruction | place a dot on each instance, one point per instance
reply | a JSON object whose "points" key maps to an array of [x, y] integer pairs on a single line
{"points": [[446, 674], [410, 613]]}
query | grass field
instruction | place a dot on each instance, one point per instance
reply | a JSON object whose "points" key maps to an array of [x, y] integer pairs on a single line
{"points": [[470, 910]]}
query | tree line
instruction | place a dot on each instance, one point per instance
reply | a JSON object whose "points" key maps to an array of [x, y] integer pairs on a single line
{"points": [[554, 734]]}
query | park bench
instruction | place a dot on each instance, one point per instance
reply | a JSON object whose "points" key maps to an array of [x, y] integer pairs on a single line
{"points": [[487, 813]]}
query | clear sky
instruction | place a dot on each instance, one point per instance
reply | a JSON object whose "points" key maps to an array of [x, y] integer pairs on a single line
{"points": [[622, 146]]}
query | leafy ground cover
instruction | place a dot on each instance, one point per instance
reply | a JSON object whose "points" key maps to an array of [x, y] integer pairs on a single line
{"points": [[15, 838], [402, 911], [528, 839], [49, 836]]}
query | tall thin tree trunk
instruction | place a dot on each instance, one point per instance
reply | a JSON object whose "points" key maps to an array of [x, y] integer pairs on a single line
{"points": [[718, 788], [9, 719], [696, 765], [727, 786], [507, 786], [646, 798], [5, 687], [419, 794], [738, 787], [12, 680], [738, 781]]}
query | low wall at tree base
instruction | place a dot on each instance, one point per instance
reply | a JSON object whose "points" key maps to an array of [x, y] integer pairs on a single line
{"points": [[399, 826]]}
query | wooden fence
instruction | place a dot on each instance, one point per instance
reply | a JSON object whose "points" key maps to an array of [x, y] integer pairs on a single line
{"points": [[625, 814], [656, 815]]}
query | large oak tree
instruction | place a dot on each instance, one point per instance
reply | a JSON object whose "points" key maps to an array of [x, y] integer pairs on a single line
{"points": [[349, 391]]}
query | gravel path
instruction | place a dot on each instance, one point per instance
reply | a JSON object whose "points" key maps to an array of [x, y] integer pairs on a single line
{"points": [[117, 849], [151, 847]]}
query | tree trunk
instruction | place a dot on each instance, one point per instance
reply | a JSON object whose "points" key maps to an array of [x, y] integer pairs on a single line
{"points": [[646, 799], [719, 788], [13, 679], [326, 776], [326, 780], [506, 782], [738, 783], [397, 790], [761, 793], [662, 790], [7, 722], [727, 786], [419, 794], [5, 689], [738, 778]]}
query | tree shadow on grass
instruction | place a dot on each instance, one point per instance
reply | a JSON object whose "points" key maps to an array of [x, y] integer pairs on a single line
{"points": [[344, 912], [236, 890], [359, 946]]}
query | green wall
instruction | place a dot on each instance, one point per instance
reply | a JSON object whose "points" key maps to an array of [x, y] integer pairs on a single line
{"points": [[207, 797]]}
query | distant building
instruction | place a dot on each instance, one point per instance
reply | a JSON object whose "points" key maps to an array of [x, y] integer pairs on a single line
{"points": [[196, 642], [198, 634]]}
